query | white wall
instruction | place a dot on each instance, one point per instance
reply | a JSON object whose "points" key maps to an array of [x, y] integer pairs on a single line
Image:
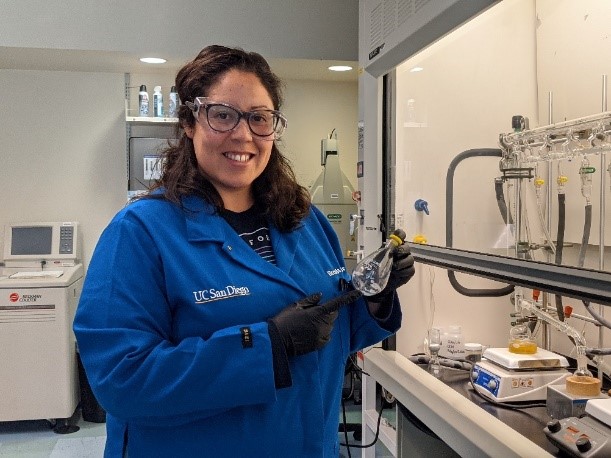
{"points": [[63, 142], [314, 109], [62, 148]]}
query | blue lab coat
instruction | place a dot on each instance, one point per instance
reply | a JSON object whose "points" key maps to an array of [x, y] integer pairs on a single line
{"points": [[172, 331]]}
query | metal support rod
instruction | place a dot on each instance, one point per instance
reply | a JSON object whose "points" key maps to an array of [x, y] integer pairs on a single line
{"points": [[546, 330], [128, 128], [601, 242], [518, 216]]}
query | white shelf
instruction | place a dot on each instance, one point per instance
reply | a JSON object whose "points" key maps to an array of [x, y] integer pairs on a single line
{"points": [[131, 118], [149, 120]]}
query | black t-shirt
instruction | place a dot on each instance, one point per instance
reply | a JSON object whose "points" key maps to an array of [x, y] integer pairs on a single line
{"points": [[252, 227]]}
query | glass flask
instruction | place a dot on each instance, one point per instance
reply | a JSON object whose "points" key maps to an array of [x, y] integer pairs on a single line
{"points": [[371, 274], [434, 342], [582, 363], [521, 341]]}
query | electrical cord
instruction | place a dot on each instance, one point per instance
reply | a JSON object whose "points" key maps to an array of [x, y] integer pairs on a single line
{"points": [[452, 363], [384, 405], [353, 367]]}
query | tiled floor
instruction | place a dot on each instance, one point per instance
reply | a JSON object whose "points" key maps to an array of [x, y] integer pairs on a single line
{"points": [[36, 439]]}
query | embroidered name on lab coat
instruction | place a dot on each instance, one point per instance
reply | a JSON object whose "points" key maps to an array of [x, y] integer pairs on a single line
{"points": [[337, 271], [210, 295]]}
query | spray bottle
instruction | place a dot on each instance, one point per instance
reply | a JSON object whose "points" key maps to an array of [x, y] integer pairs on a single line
{"points": [[143, 101], [173, 103], [158, 102]]}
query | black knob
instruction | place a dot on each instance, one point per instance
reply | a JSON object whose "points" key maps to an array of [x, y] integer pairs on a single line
{"points": [[583, 444], [554, 426]]}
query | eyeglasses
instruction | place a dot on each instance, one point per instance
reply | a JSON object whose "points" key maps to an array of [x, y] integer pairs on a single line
{"points": [[222, 117]]}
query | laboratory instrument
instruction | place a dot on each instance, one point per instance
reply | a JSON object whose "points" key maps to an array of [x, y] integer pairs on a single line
{"points": [[332, 194], [584, 436], [371, 274], [40, 285], [562, 403], [509, 377]]}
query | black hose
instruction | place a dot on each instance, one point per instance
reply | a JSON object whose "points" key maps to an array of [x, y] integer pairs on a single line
{"points": [[559, 246], [470, 292], [500, 200], [601, 319], [585, 239]]}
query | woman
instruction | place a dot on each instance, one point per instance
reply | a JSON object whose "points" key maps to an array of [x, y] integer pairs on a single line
{"points": [[209, 323]]}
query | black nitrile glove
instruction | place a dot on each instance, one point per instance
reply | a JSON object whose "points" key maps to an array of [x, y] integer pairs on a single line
{"points": [[400, 273], [305, 326]]}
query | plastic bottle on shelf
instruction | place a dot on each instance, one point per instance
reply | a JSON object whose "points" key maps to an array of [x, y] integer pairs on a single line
{"points": [[173, 103], [158, 102], [143, 101], [370, 275]]}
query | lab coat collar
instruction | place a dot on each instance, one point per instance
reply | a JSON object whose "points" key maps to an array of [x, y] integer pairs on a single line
{"points": [[203, 224]]}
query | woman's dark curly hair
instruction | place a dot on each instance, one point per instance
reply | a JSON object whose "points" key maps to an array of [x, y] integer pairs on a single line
{"points": [[276, 190]]}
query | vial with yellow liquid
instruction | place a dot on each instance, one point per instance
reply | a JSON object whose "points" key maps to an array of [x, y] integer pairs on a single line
{"points": [[521, 341]]}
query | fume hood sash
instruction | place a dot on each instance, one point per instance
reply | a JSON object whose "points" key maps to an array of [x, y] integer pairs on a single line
{"points": [[586, 285]]}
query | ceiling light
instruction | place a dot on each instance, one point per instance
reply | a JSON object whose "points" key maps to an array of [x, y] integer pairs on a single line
{"points": [[153, 60], [340, 68], [416, 69]]}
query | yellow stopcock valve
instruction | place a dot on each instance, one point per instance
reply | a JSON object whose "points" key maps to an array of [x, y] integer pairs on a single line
{"points": [[539, 182], [561, 180], [420, 239]]}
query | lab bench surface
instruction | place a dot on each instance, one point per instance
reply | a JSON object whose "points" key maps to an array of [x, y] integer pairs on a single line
{"points": [[528, 422], [470, 425]]}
